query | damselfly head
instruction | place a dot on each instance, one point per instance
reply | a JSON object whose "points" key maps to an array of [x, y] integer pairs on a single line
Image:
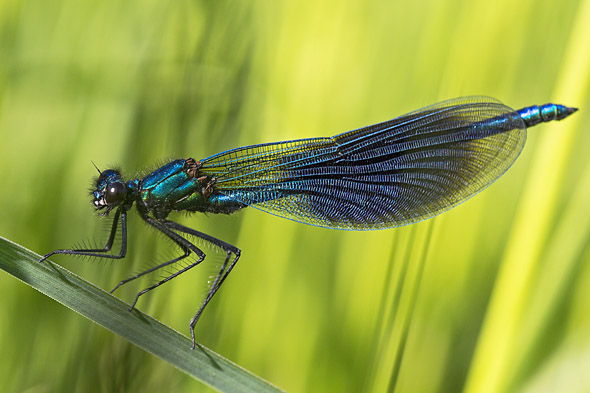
{"points": [[110, 191]]}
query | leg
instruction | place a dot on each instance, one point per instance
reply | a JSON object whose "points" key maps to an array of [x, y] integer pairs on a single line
{"points": [[153, 269], [221, 276], [101, 252], [184, 244]]}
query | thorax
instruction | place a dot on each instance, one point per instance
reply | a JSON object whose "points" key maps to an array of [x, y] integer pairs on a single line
{"points": [[179, 185]]}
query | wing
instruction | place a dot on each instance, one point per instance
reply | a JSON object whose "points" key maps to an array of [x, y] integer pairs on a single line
{"points": [[385, 175]]}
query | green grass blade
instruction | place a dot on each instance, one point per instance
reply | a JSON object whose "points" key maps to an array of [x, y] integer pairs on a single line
{"points": [[108, 311]]}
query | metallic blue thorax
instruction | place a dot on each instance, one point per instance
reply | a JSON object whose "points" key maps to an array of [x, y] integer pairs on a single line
{"points": [[178, 185]]}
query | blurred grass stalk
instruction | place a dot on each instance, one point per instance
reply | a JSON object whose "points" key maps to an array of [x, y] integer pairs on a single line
{"points": [[535, 270], [535, 273]]}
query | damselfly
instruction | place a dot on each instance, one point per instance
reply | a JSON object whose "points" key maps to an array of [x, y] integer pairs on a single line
{"points": [[386, 175]]}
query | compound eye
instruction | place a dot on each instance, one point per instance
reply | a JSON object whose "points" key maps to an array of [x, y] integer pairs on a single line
{"points": [[115, 193]]}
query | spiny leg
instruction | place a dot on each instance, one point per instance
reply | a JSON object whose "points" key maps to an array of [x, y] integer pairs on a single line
{"points": [[183, 243], [212, 291], [100, 252], [170, 277], [221, 276], [153, 269]]}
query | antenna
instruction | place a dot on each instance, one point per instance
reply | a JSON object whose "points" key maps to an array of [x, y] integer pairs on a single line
{"points": [[99, 172]]}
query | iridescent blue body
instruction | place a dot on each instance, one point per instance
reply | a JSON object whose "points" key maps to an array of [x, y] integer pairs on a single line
{"points": [[174, 187], [386, 175]]}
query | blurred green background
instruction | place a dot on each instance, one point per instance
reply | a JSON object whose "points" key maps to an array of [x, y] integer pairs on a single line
{"points": [[492, 296]]}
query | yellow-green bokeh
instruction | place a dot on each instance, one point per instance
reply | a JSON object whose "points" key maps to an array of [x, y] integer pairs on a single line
{"points": [[489, 297]]}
